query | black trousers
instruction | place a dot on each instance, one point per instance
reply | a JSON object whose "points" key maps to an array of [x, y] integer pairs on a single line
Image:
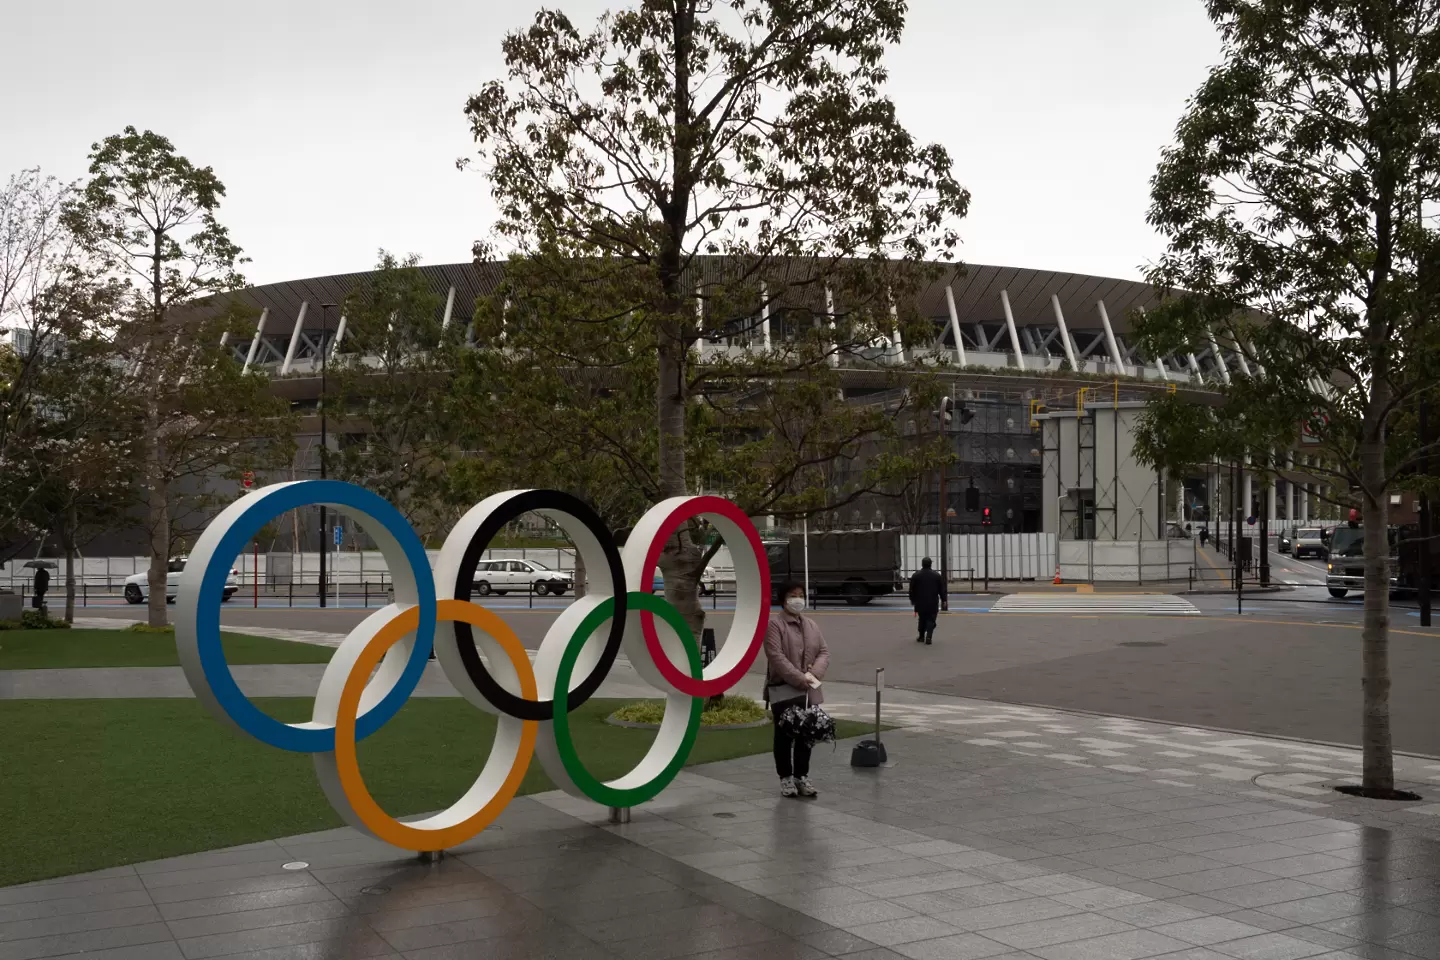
{"points": [[792, 758], [927, 620]]}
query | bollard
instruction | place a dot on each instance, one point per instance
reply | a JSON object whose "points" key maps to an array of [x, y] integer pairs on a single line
{"points": [[430, 856], [871, 753], [619, 814]]}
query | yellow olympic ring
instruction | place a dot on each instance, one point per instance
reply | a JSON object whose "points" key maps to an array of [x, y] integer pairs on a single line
{"points": [[494, 788]]}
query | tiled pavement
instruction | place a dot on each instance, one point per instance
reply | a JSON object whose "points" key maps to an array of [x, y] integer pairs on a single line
{"points": [[960, 849]]}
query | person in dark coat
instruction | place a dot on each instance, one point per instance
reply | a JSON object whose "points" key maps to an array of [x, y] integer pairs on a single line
{"points": [[42, 583], [927, 587]]}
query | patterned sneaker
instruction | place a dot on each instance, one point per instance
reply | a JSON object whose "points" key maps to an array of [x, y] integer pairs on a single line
{"points": [[787, 787], [806, 788]]}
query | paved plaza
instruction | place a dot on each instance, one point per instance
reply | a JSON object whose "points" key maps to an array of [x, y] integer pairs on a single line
{"points": [[996, 831]]}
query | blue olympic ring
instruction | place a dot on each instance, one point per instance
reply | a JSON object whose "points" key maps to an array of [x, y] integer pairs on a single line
{"points": [[267, 504]]}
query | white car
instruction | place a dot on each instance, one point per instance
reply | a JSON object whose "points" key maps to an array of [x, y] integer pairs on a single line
{"points": [[708, 579], [519, 576], [137, 588], [1309, 541]]}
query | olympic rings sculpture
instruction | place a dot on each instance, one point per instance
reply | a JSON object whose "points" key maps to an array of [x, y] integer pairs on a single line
{"points": [[381, 661]]}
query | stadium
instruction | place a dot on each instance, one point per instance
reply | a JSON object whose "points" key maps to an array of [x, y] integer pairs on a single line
{"points": [[1022, 346]]}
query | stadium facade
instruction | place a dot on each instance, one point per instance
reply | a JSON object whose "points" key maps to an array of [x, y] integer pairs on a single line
{"points": [[1023, 347]]}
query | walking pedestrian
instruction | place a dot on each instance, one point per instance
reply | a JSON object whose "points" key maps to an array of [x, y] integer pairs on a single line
{"points": [[42, 583], [796, 658], [1204, 535], [927, 587]]}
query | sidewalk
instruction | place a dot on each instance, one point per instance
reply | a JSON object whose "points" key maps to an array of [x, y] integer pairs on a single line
{"points": [[996, 831]]}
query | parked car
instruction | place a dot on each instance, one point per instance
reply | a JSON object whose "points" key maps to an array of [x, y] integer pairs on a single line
{"points": [[708, 580], [519, 576], [137, 588], [1308, 543]]}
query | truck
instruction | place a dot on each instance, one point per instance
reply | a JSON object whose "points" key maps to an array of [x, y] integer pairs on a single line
{"points": [[1345, 565], [852, 565]]}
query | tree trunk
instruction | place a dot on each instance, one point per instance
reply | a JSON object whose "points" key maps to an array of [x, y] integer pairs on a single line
{"points": [[680, 560], [579, 575], [159, 529], [67, 540], [1379, 760]]}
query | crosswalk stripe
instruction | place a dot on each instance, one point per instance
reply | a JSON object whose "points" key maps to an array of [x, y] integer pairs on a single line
{"points": [[1149, 604]]}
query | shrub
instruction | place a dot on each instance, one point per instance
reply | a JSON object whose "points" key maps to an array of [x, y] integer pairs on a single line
{"points": [[729, 711], [141, 626], [33, 620]]}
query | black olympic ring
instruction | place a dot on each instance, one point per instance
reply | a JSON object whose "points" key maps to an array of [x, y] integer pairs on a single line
{"points": [[524, 502]]}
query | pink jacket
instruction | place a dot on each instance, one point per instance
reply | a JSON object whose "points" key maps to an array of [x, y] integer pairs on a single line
{"points": [[793, 646]]}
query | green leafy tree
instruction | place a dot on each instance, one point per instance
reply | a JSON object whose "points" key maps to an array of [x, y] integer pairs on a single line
{"points": [[392, 390], [1291, 204], [148, 216], [665, 180]]}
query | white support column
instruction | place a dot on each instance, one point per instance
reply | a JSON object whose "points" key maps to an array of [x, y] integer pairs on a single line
{"points": [[1195, 367], [830, 318], [1240, 355], [1219, 357], [1064, 332], [955, 325], [339, 335], [1010, 323], [1305, 493], [294, 338], [1110, 340], [765, 316], [1290, 498], [1247, 493], [701, 341], [1270, 515], [895, 335], [449, 308], [1180, 500], [255, 341], [224, 339]]}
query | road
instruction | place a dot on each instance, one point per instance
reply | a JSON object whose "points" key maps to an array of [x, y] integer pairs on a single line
{"points": [[1289, 665]]}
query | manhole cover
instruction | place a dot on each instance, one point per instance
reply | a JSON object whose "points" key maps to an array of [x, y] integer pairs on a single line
{"points": [[375, 891], [1141, 643], [724, 816], [295, 865]]}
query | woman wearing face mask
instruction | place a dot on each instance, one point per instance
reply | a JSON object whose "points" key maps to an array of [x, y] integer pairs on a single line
{"points": [[796, 658]]}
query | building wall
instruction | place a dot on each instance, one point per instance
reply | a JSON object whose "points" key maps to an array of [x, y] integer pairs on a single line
{"points": [[1108, 493]]}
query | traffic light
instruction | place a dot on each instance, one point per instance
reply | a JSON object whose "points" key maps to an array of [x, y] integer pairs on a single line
{"points": [[985, 518], [972, 498]]}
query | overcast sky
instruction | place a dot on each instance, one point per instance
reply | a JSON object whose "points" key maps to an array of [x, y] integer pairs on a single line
{"points": [[335, 125]]}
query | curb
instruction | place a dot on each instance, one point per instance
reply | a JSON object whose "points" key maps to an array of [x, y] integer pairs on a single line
{"points": [[631, 725]]}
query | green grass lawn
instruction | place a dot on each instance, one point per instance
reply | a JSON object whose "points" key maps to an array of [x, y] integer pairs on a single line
{"points": [[98, 783], [33, 649]]}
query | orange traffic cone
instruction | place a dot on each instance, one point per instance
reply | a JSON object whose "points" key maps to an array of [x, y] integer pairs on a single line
{"points": [[1057, 574]]}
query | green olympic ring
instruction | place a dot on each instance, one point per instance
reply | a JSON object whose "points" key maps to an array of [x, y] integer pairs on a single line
{"points": [[677, 730]]}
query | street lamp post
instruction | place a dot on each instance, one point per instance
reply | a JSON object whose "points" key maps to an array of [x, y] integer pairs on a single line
{"points": [[325, 309]]}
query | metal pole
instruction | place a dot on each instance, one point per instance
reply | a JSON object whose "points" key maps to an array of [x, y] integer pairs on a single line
{"points": [[1423, 588], [985, 537], [255, 572], [1265, 546], [805, 541], [879, 685], [944, 542], [324, 439]]}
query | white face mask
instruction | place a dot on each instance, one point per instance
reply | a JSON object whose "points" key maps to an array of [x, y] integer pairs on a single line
{"points": [[795, 605]]}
